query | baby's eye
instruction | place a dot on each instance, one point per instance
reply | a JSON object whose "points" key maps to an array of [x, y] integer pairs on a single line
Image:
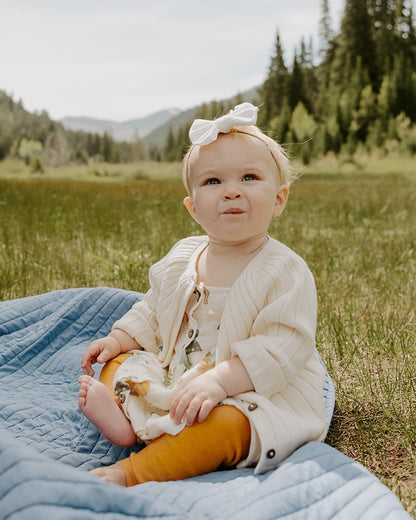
{"points": [[213, 180], [249, 177]]}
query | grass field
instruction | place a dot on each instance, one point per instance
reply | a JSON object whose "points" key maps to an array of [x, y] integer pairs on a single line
{"points": [[357, 231]]}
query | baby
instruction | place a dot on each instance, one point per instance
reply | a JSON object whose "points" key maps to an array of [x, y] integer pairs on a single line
{"points": [[215, 367]]}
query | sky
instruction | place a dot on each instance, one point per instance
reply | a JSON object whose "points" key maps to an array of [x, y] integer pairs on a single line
{"points": [[125, 59]]}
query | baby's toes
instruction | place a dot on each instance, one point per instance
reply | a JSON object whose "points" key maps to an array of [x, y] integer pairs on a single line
{"points": [[85, 380]]}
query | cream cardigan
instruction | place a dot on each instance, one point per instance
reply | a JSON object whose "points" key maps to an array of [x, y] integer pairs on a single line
{"points": [[269, 321]]}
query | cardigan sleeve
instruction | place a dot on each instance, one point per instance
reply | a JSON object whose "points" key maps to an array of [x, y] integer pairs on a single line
{"points": [[282, 337], [141, 321]]}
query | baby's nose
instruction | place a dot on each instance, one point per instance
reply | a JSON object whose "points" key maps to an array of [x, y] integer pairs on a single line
{"points": [[232, 192], [232, 195]]}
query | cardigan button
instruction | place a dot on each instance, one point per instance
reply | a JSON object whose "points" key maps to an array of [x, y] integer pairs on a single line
{"points": [[190, 333], [252, 407], [271, 454]]}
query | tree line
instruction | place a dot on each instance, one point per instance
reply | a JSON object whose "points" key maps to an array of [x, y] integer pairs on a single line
{"points": [[40, 141], [361, 94], [356, 91]]}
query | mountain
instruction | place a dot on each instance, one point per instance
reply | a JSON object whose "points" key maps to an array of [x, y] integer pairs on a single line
{"points": [[127, 130], [153, 129], [158, 136]]}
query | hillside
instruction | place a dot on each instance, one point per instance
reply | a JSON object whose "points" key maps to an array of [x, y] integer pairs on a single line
{"points": [[360, 97], [154, 129], [159, 136], [126, 131], [40, 141]]}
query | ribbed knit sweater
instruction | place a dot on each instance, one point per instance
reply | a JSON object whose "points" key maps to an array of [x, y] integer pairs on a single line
{"points": [[269, 321]]}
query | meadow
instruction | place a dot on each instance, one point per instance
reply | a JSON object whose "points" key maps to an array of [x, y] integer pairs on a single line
{"points": [[356, 230]]}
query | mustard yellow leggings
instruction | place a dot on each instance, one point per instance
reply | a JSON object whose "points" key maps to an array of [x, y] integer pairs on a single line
{"points": [[221, 441]]}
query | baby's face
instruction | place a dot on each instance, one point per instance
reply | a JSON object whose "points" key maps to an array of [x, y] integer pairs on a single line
{"points": [[235, 190]]}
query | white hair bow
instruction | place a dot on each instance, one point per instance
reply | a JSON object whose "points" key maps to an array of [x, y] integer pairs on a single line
{"points": [[204, 131]]}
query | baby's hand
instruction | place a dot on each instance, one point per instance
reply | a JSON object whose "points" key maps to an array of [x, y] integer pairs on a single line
{"points": [[196, 399], [99, 351]]}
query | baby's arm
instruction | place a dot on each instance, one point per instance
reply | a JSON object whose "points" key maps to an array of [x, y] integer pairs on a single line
{"points": [[103, 349], [196, 399], [281, 343]]}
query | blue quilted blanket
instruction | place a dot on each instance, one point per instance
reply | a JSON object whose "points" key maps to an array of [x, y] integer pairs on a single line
{"points": [[47, 446]]}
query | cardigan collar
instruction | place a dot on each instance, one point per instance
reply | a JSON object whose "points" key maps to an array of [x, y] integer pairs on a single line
{"points": [[180, 280]]}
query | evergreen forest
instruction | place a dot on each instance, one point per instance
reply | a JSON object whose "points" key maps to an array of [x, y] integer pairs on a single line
{"points": [[354, 89], [361, 94]]}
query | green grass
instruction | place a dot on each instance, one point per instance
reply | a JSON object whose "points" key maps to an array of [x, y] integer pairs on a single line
{"points": [[358, 234], [356, 231], [15, 169]]}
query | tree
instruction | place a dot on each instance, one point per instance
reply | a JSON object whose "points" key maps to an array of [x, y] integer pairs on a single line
{"points": [[365, 115], [169, 151], [310, 80], [349, 99], [5, 140], [383, 24], [59, 145], [302, 129], [393, 32], [404, 79], [57, 150], [302, 125], [333, 133], [279, 125], [107, 147], [296, 86], [355, 41], [29, 150], [275, 88], [325, 29]]}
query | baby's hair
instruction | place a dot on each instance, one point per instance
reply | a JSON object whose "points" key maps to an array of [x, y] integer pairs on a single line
{"points": [[276, 150]]}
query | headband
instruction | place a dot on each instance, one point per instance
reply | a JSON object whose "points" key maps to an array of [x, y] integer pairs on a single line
{"points": [[204, 131]]}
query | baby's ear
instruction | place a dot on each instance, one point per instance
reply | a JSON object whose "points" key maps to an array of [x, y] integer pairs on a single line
{"points": [[190, 206], [281, 199]]}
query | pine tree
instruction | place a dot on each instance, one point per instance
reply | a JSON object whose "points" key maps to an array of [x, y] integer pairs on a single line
{"points": [[274, 90], [107, 147], [356, 39], [169, 151], [325, 29], [383, 24], [296, 85], [310, 80], [365, 115], [404, 79], [279, 125], [393, 32], [405, 31]]}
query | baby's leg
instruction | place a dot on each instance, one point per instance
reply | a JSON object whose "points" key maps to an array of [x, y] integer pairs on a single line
{"points": [[98, 405], [222, 440]]}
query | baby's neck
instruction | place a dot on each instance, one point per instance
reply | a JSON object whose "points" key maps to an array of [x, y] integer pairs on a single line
{"points": [[219, 265]]}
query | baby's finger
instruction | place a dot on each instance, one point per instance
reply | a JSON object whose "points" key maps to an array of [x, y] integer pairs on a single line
{"points": [[178, 409], [86, 365], [205, 410], [88, 371], [103, 357], [193, 409], [173, 405]]}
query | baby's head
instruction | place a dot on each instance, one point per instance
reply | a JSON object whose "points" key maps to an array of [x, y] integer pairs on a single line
{"points": [[205, 132]]}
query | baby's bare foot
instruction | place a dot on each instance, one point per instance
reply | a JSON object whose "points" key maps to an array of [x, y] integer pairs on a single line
{"points": [[99, 407], [113, 474]]}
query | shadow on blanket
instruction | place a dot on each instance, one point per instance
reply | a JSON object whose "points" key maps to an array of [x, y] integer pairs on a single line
{"points": [[47, 445]]}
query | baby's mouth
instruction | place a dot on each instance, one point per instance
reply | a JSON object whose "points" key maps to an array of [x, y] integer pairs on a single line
{"points": [[233, 211]]}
